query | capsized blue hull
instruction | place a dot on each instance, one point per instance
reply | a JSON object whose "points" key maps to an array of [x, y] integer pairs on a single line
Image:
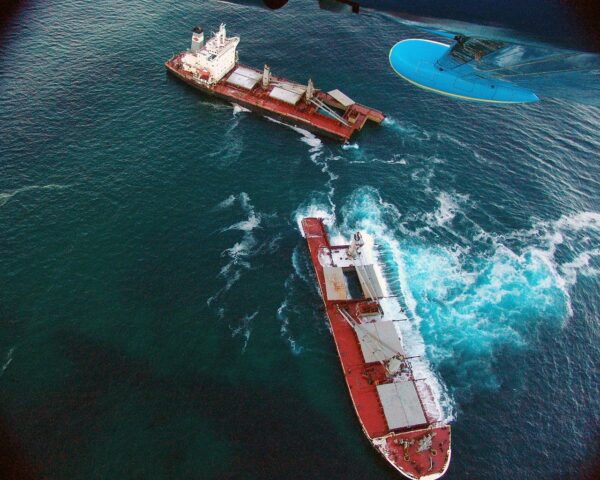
{"points": [[417, 61]]}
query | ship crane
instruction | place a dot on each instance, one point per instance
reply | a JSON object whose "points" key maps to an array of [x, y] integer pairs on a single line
{"points": [[396, 363]]}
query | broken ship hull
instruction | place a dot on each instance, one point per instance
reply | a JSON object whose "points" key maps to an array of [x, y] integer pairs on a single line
{"points": [[418, 447], [302, 115]]}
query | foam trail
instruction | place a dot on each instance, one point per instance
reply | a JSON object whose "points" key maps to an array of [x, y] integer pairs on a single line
{"points": [[316, 156], [8, 361], [240, 252], [237, 109], [5, 197], [232, 144], [214, 105], [447, 209], [298, 270], [284, 320], [228, 202], [245, 329], [406, 129], [310, 139], [252, 222]]}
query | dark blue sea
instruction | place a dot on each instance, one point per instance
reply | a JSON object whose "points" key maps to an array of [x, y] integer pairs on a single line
{"points": [[159, 318]]}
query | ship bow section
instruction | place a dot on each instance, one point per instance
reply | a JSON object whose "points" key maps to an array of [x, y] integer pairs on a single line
{"points": [[422, 455]]}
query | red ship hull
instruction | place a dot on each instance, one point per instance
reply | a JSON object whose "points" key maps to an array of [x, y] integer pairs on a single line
{"points": [[399, 447], [304, 115]]}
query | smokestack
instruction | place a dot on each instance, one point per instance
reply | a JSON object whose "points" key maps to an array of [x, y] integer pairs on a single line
{"points": [[197, 39]]}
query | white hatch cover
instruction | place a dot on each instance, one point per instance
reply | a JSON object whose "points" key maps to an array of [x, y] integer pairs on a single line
{"points": [[368, 281], [289, 95], [401, 405], [335, 283], [378, 341], [344, 99], [244, 78]]}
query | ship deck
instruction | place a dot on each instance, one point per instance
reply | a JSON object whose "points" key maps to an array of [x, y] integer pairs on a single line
{"points": [[303, 114], [399, 447]]}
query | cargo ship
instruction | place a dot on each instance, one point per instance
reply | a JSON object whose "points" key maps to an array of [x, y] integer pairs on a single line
{"points": [[213, 68], [396, 410]]}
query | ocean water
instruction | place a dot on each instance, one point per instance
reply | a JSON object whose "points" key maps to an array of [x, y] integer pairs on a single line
{"points": [[158, 314]]}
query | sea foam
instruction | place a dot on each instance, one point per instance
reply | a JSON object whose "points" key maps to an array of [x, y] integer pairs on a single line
{"points": [[471, 300], [5, 197]]}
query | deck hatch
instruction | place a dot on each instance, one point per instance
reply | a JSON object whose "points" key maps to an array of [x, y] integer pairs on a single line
{"points": [[244, 78], [335, 283], [342, 98], [378, 341], [287, 95], [401, 405]]}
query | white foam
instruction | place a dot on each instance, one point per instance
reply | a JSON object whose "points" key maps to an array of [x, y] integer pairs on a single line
{"points": [[284, 320], [433, 393], [580, 265], [232, 144], [350, 146], [237, 109], [5, 197], [306, 136], [244, 329], [214, 105], [240, 252], [579, 221], [369, 206], [473, 305], [252, 222], [315, 210], [406, 129], [228, 202], [447, 209], [7, 361]]}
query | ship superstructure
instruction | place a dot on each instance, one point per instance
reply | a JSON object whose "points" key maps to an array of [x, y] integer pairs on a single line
{"points": [[395, 410], [210, 62], [213, 68]]}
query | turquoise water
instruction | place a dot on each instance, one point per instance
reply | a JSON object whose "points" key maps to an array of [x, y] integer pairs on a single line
{"points": [[158, 315]]}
